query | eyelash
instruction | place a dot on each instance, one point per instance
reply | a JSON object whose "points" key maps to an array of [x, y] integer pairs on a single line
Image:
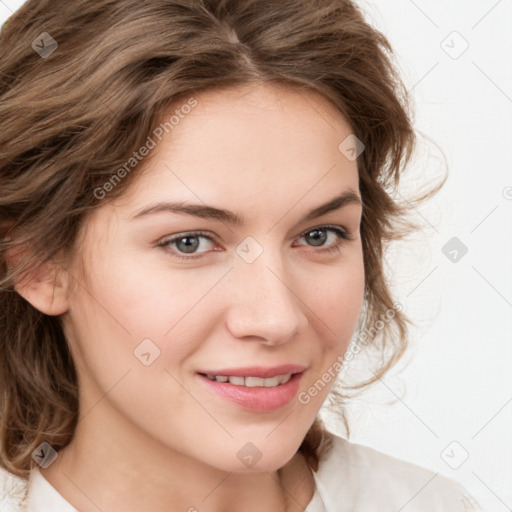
{"points": [[343, 236]]}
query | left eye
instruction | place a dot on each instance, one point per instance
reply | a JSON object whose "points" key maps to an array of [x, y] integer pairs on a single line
{"points": [[188, 243], [319, 235]]}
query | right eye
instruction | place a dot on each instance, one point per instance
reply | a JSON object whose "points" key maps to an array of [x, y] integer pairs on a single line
{"points": [[185, 243]]}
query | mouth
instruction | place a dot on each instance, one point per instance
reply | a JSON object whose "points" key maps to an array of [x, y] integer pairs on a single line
{"points": [[256, 389], [251, 381]]}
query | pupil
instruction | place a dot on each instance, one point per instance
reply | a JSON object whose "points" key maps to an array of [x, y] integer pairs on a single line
{"points": [[315, 238], [188, 247]]}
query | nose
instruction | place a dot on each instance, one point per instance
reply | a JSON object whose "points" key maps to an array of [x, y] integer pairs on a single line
{"points": [[264, 305]]}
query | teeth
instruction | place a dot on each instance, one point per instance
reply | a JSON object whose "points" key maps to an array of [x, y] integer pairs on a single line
{"points": [[285, 378], [237, 381], [252, 382]]}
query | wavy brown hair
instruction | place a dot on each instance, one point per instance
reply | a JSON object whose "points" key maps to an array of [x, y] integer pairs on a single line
{"points": [[72, 118]]}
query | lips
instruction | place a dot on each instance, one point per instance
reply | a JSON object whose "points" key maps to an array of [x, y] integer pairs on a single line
{"points": [[256, 389]]}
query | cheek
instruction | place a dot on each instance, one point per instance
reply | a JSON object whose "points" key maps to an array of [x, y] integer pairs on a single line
{"points": [[336, 300], [122, 316], [130, 302], [149, 297]]}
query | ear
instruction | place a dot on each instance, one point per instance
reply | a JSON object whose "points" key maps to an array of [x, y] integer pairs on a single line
{"points": [[45, 286]]}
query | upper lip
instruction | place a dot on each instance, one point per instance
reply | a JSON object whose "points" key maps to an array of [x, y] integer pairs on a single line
{"points": [[257, 371]]}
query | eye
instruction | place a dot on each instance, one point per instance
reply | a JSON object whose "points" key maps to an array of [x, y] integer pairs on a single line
{"points": [[318, 236], [186, 243], [189, 243]]}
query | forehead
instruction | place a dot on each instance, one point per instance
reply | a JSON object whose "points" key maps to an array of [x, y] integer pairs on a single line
{"points": [[254, 116], [252, 149]]}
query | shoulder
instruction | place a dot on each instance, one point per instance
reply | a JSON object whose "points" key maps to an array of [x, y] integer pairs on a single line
{"points": [[12, 492], [364, 477]]}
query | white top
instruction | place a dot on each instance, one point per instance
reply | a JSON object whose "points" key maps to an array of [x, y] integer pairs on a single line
{"points": [[350, 478]]}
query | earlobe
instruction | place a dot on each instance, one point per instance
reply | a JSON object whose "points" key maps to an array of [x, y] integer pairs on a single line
{"points": [[45, 287]]}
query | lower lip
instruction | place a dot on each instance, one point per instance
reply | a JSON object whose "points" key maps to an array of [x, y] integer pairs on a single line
{"points": [[257, 399]]}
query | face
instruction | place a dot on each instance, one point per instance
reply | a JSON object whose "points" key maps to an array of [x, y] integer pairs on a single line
{"points": [[170, 299]]}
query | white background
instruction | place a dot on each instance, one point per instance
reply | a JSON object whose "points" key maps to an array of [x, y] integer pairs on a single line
{"points": [[456, 383]]}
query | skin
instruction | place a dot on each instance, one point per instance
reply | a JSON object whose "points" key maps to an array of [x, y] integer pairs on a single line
{"points": [[153, 436]]}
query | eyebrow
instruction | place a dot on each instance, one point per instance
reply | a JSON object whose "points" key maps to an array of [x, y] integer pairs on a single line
{"points": [[209, 212]]}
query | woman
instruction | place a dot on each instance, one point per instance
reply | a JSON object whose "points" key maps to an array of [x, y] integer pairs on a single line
{"points": [[194, 215]]}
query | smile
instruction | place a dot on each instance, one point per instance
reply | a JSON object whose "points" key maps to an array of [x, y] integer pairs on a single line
{"points": [[252, 382], [271, 390]]}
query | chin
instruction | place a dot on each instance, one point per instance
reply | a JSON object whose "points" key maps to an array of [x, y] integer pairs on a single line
{"points": [[261, 456]]}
